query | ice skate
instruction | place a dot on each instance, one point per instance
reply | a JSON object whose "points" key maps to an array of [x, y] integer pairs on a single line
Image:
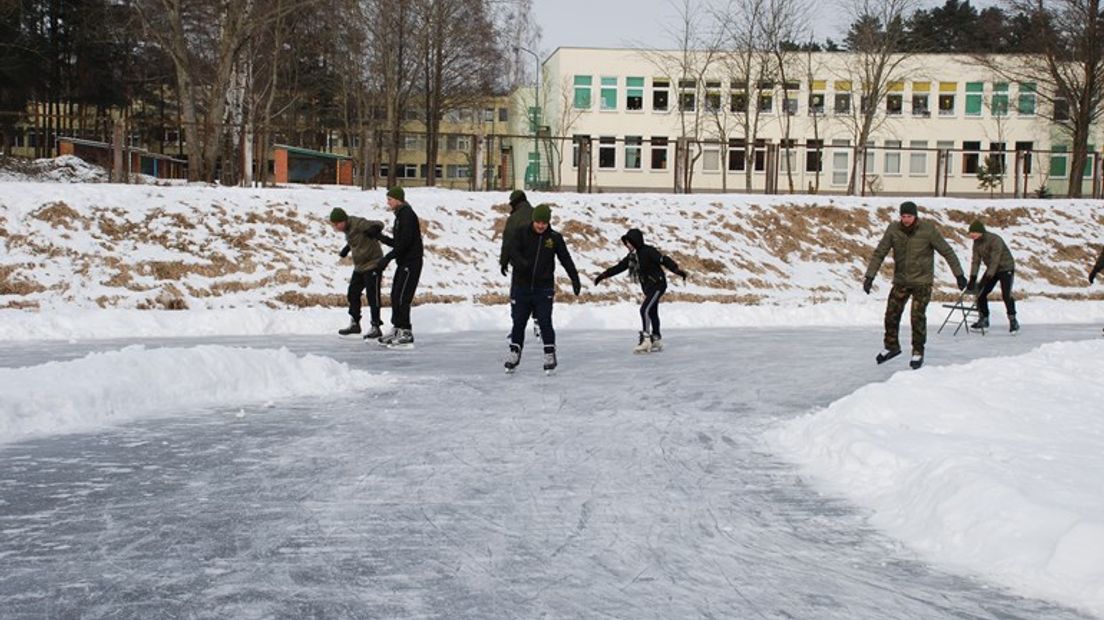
{"points": [[513, 358], [644, 344], [917, 361], [374, 333], [657, 344], [1013, 325], [886, 355], [403, 340], [549, 359], [981, 323], [388, 338], [352, 329]]}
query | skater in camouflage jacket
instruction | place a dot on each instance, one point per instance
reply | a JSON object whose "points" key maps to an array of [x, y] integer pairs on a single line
{"points": [[991, 250], [362, 240], [645, 265]]}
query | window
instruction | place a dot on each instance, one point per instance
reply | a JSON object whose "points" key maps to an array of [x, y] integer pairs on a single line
{"points": [[503, 115], [1058, 161], [892, 160], [713, 96], [608, 93], [488, 115], [607, 152], [1025, 105], [575, 140], [661, 94], [947, 92], [840, 161], [738, 99], [760, 155], [868, 158], [766, 102], [413, 142], [790, 92], [894, 104], [1024, 148], [842, 103], [814, 155], [407, 171], [632, 152], [996, 158], [711, 160], [947, 146], [973, 98], [787, 157], [970, 157], [458, 171], [999, 102], [789, 106], [582, 92], [918, 160], [437, 171], [864, 104], [737, 156], [687, 94], [816, 104], [1061, 109], [659, 152], [634, 93], [920, 92]]}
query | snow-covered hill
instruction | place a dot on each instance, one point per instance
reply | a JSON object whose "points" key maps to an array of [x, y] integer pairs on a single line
{"points": [[119, 246]]}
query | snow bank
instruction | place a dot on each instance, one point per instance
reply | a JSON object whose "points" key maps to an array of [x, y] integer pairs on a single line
{"points": [[991, 466], [64, 169], [124, 385]]}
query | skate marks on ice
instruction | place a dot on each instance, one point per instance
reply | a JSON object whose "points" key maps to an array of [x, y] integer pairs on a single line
{"points": [[626, 487]]}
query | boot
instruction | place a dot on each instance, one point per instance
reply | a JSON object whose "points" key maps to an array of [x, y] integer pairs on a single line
{"points": [[917, 360], [886, 355], [657, 343], [353, 328], [982, 323], [374, 333], [1013, 324], [549, 357], [388, 338], [405, 338], [513, 357], [644, 344]]}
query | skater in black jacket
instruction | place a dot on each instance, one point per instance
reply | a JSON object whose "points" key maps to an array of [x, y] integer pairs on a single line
{"points": [[533, 253], [406, 251], [645, 265]]}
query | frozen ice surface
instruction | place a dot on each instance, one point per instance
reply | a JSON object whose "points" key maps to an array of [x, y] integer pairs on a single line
{"points": [[622, 487]]}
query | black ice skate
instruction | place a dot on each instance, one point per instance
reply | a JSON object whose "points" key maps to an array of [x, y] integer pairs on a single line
{"points": [[353, 328], [513, 358], [981, 323], [1013, 325], [917, 361], [404, 339], [886, 355], [549, 359], [374, 333]]}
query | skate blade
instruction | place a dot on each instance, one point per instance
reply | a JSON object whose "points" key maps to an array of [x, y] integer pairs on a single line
{"points": [[350, 336], [548, 372], [639, 352], [409, 346]]}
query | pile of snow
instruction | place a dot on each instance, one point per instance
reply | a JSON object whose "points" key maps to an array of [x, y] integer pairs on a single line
{"points": [[64, 169], [120, 386], [992, 466], [198, 247]]}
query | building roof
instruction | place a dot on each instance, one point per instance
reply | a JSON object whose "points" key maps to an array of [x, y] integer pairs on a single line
{"points": [[310, 153], [129, 149]]}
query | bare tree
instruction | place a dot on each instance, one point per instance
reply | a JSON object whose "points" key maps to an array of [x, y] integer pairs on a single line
{"points": [[786, 22], [748, 65]]}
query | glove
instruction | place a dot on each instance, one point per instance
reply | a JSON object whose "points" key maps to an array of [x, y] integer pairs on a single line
{"points": [[504, 269], [868, 283], [576, 286], [344, 252], [683, 274], [961, 281], [1092, 276], [598, 279], [972, 284]]}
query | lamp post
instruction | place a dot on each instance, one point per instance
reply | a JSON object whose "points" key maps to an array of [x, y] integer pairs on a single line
{"points": [[536, 109]]}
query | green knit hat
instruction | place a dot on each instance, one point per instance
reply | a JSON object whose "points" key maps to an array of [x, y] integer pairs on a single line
{"points": [[977, 227], [542, 213], [338, 215], [517, 196], [908, 207], [397, 193]]}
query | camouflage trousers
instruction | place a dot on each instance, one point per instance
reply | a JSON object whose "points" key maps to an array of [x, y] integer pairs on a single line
{"points": [[895, 307]]}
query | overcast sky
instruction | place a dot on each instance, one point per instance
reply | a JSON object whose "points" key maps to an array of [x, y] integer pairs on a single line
{"points": [[625, 23]]}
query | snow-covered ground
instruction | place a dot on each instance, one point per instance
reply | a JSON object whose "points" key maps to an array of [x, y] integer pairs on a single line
{"points": [[428, 484]]}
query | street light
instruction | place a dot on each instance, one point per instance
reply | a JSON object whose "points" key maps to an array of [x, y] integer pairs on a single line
{"points": [[536, 108]]}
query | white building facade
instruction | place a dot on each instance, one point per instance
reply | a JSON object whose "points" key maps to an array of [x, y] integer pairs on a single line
{"points": [[636, 120]]}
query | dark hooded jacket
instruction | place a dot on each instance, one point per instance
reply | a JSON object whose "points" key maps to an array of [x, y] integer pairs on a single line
{"points": [[1099, 266], [405, 239], [521, 215], [645, 264], [533, 257]]}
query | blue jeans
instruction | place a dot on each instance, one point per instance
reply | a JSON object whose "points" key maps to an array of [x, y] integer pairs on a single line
{"points": [[535, 302]]}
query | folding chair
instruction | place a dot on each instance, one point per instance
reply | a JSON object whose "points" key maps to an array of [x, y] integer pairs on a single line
{"points": [[960, 306]]}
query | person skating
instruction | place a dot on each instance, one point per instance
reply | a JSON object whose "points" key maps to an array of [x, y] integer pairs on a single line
{"points": [[406, 251], [521, 215], [1097, 268], [645, 265], [533, 253], [914, 243], [990, 249], [362, 240]]}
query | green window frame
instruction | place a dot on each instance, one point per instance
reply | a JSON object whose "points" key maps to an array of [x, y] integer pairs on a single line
{"points": [[582, 91], [1090, 155], [974, 92], [1026, 102], [634, 93], [1058, 161], [999, 104], [608, 93]]}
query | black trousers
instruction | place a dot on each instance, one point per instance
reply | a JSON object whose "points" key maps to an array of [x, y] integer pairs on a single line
{"points": [[403, 286], [369, 283], [649, 309], [1006, 279], [535, 302]]}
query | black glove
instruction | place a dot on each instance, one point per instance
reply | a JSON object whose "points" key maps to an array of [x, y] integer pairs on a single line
{"points": [[382, 266], [598, 279], [344, 251], [868, 283], [683, 274], [972, 284], [961, 281], [1092, 276], [576, 286], [504, 268]]}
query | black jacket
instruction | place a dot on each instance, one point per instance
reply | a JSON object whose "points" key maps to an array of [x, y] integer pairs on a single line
{"points": [[533, 258], [406, 239], [649, 263]]}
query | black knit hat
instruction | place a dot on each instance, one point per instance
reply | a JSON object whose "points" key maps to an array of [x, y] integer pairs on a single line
{"points": [[908, 207], [517, 196], [977, 226]]}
